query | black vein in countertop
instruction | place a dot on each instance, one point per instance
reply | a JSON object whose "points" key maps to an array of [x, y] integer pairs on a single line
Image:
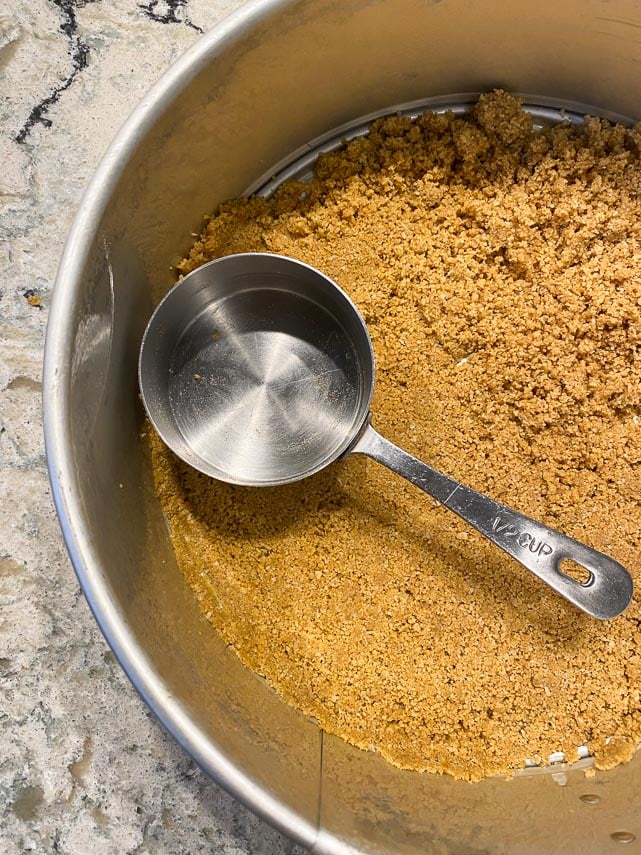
{"points": [[79, 55], [167, 12]]}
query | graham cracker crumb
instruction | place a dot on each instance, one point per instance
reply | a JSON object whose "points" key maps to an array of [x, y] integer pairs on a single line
{"points": [[499, 273], [33, 299]]}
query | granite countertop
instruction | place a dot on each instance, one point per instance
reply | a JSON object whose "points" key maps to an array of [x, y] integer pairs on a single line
{"points": [[84, 768]]}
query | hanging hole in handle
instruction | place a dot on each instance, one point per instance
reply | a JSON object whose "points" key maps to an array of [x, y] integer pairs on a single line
{"points": [[575, 571]]}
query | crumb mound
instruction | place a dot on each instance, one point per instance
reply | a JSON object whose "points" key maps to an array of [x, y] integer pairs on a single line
{"points": [[499, 272]]}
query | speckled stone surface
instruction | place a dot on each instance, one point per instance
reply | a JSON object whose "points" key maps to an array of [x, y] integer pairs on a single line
{"points": [[84, 768]]}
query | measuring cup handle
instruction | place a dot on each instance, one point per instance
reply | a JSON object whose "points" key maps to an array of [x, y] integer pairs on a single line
{"points": [[606, 592]]}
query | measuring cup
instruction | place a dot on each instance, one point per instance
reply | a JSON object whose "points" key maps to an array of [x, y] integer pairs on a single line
{"points": [[258, 370]]}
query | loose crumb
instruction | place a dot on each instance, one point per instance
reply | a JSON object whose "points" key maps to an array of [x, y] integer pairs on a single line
{"points": [[33, 299], [499, 273]]}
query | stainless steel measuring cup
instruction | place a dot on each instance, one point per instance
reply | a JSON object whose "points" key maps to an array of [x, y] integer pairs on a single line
{"points": [[258, 370]]}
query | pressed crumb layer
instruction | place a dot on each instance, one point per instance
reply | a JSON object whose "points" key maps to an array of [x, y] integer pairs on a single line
{"points": [[499, 272]]}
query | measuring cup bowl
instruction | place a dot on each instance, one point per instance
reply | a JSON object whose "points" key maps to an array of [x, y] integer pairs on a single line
{"points": [[257, 369]]}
